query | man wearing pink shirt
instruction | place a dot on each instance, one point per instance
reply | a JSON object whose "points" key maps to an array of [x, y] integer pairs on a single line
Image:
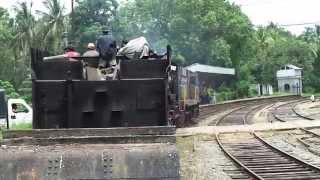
{"points": [[70, 52]]}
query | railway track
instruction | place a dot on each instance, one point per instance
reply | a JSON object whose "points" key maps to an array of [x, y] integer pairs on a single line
{"points": [[288, 112], [263, 161], [239, 116], [302, 143], [240, 111], [310, 139], [209, 110]]}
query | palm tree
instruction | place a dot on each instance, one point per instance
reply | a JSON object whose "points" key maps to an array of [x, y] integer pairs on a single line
{"points": [[23, 40], [53, 24], [24, 27], [312, 36]]}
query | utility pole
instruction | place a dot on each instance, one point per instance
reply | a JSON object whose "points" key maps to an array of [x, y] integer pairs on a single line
{"points": [[72, 6], [65, 39]]}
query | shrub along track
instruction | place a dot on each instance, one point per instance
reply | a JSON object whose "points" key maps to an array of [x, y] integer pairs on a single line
{"points": [[263, 161]]}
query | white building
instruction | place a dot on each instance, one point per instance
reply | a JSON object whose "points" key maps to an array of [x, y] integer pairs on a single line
{"points": [[290, 79], [264, 89], [212, 76], [196, 67]]}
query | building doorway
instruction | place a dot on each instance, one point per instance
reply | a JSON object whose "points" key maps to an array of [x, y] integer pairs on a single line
{"points": [[287, 88]]}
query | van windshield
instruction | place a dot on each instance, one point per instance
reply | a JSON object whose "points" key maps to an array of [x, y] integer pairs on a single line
{"points": [[19, 108]]}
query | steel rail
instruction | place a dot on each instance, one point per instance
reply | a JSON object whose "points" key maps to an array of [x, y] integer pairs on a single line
{"points": [[276, 117], [248, 108], [227, 114], [288, 103], [236, 160], [211, 109], [256, 165], [310, 132], [307, 132], [292, 109], [286, 154], [246, 117], [299, 114]]}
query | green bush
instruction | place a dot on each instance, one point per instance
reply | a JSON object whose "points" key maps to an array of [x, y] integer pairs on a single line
{"points": [[26, 90], [225, 96], [225, 93], [8, 87], [309, 90], [242, 89], [253, 92]]}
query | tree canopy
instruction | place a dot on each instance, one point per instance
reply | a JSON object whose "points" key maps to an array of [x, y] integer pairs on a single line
{"points": [[214, 32]]}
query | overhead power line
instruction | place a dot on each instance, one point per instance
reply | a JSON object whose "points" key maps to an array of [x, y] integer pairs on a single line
{"points": [[264, 3], [300, 24], [292, 24]]}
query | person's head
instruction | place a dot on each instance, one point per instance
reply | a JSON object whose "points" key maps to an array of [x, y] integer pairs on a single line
{"points": [[69, 49], [91, 46], [124, 42], [14, 106]]}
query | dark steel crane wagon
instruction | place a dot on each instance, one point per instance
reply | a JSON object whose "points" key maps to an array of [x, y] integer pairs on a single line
{"points": [[112, 129]]}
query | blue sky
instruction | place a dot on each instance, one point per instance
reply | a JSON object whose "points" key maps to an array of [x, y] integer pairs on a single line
{"points": [[261, 12]]}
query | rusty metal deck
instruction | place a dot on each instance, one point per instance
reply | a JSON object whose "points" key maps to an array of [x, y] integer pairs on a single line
{"points": [[112, 153]]}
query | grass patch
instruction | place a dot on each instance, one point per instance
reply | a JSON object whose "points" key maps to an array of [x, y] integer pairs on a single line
{"points": [[282, 94], [303, 94], [309, 94], [22, 126]]}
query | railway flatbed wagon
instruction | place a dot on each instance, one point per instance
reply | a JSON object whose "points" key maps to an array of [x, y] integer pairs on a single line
{"points": [[91, 154], [83, 129]]}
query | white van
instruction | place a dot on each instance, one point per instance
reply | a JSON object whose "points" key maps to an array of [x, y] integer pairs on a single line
{"points": [[14, 112]]}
